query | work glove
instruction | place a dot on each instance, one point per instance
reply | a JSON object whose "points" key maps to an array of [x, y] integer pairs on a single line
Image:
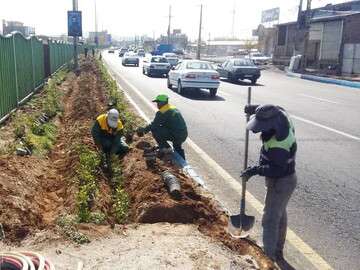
{"points": [[250, 172], [250, 109], [140, 132]]}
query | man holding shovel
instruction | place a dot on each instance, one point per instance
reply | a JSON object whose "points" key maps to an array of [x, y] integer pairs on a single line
{"points": [[168, 125], [277, 164], [107, 133]]}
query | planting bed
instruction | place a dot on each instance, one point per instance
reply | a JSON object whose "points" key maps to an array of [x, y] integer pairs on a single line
{"points": [[51, 197]]}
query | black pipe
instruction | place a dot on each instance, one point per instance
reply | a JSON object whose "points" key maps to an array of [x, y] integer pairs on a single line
{"points": [[172, 184], [150, 157]]}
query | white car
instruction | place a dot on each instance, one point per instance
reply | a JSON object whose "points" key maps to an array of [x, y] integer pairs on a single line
{"points": [[156, 65], [259, 58], [130, 58], [190, 74], [172, 58]]}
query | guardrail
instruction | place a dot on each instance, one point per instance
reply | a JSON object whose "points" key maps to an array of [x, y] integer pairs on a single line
{"points": [[25, 63]]}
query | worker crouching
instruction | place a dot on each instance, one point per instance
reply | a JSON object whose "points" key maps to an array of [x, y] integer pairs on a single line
{"points": [[107, 133], [168, 125]]}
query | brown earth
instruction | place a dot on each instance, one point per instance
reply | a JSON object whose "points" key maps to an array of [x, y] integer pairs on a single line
{"points": [[35, 191], [151, 203]]}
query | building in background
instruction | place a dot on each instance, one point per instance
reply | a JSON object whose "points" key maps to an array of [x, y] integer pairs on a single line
{"points": [[266, 39], [11, 26], [176, 38], [331, 43], [220, 47], [102, 39]]}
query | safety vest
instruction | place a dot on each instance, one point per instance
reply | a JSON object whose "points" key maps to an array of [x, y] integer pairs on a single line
{"points": [[285, 144], [166, 108], [102, 120]]}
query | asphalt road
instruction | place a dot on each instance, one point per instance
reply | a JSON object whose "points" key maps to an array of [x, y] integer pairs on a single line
{"points": [[325, 209]]}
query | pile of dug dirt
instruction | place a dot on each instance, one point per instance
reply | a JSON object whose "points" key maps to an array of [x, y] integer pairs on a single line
{"points": [[152, 203]]}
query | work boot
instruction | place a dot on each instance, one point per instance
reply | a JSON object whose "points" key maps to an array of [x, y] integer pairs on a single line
{"points": [[165, 154]]}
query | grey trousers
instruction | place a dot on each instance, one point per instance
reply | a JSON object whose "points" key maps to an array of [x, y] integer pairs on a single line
{"points": [[274, 220]]}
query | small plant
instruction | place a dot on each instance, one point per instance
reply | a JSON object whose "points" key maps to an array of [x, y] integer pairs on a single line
{"points": [[120, 197], [89, 162], [39, 136], [67, 225], [131, 122], [97, 218], [121, 204], [129, 118]]}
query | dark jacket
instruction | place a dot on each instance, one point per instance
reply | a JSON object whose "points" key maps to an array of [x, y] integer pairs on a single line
{"points": [[277, 155], [103, 135], [170, 118]]}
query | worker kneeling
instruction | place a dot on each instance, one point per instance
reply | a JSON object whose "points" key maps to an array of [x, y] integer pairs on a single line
{"points": [[168, 125], [107, 133]]}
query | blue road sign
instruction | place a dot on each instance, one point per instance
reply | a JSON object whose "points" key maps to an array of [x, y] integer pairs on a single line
{"points": [[74, 24]]}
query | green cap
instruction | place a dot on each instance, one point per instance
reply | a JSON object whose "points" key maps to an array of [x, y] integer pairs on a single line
{"points": [[161, 98]]}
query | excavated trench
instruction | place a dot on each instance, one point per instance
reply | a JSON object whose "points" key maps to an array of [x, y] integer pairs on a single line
{"points": [[35, 191]]}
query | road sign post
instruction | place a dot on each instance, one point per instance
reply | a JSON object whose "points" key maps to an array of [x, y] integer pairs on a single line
{"points": [[75, 29]]}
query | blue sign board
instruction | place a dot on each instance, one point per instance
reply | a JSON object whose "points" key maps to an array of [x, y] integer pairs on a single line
{"points": [[74, 24]]}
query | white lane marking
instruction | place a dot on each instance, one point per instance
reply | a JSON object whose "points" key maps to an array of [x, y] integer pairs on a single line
{"points": [[223, 93], [326, 127], [315, 259], [321, 99]]}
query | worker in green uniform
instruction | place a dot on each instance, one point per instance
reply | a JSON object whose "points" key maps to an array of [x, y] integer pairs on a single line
{"points": [[107, 133], [277, 165], [168, 125]]}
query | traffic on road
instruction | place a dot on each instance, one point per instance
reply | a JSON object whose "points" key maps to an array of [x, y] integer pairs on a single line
{"points": [[215, 123]]}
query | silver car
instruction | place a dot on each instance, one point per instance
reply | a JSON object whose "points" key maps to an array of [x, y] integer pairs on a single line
{"points": [[130, 59], [156, 65]]}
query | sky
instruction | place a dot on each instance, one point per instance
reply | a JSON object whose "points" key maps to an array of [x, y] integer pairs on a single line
{"points": [[150, 17]]}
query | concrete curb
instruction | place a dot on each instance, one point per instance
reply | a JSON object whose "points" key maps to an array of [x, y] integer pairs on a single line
{"points": [[324, 80]]}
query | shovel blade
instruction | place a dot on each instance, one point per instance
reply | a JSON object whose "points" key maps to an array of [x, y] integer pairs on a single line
{"points": [[242, 222]]}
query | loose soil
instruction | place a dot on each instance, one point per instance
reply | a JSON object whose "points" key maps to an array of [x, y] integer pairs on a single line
{"points": [[35, 191]]}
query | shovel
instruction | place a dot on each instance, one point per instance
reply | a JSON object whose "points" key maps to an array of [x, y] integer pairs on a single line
{"points": [[242, 222]]}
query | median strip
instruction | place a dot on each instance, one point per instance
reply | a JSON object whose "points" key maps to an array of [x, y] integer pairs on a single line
{"points": [[306, 250]]}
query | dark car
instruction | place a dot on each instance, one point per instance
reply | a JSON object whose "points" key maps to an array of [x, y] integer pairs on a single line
{"points": [[239, 69], [122, 52], [141, 52]]}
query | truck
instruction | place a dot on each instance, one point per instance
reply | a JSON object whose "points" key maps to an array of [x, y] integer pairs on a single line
{"points": [[163, 48]]}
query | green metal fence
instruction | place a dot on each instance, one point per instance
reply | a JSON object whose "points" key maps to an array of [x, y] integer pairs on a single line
{"points": [[8, 96], [22, 68]]}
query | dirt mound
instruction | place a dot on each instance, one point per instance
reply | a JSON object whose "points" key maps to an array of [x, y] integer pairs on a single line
{"points": [[151, 202]]}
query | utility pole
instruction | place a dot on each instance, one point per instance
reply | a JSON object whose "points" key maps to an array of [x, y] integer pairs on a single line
{"points": [[169, 25], [208, 47], [96, 27], [233, 21], [306, 35], [299, 13], [199, 38], [76, 65]]}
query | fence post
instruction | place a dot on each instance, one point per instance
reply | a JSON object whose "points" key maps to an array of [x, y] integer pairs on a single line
{"points": [[16, 75], [33, 64]]}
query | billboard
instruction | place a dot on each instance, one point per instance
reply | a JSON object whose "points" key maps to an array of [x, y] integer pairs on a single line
{"points": [[270, 15], [74, 24]]}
